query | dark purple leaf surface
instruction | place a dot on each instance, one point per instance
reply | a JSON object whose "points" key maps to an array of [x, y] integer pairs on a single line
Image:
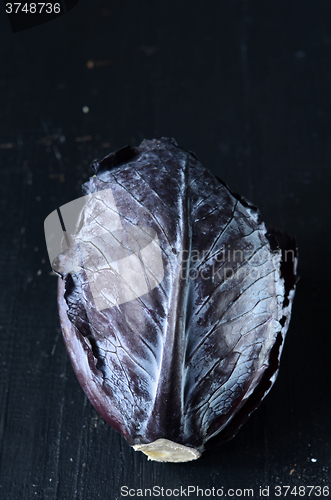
{"points": [[190, 359]]}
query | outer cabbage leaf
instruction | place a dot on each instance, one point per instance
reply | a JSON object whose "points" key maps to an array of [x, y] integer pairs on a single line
{"points": [[189, 359]]}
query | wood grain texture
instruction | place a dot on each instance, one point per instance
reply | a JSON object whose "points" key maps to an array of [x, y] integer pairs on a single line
{"points": [[244, 84]]}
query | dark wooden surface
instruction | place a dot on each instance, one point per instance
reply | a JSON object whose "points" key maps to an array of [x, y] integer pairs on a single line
{"points": [[247, 86]]}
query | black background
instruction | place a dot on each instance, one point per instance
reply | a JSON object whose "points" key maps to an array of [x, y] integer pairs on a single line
{"points": [[245, 84]]}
